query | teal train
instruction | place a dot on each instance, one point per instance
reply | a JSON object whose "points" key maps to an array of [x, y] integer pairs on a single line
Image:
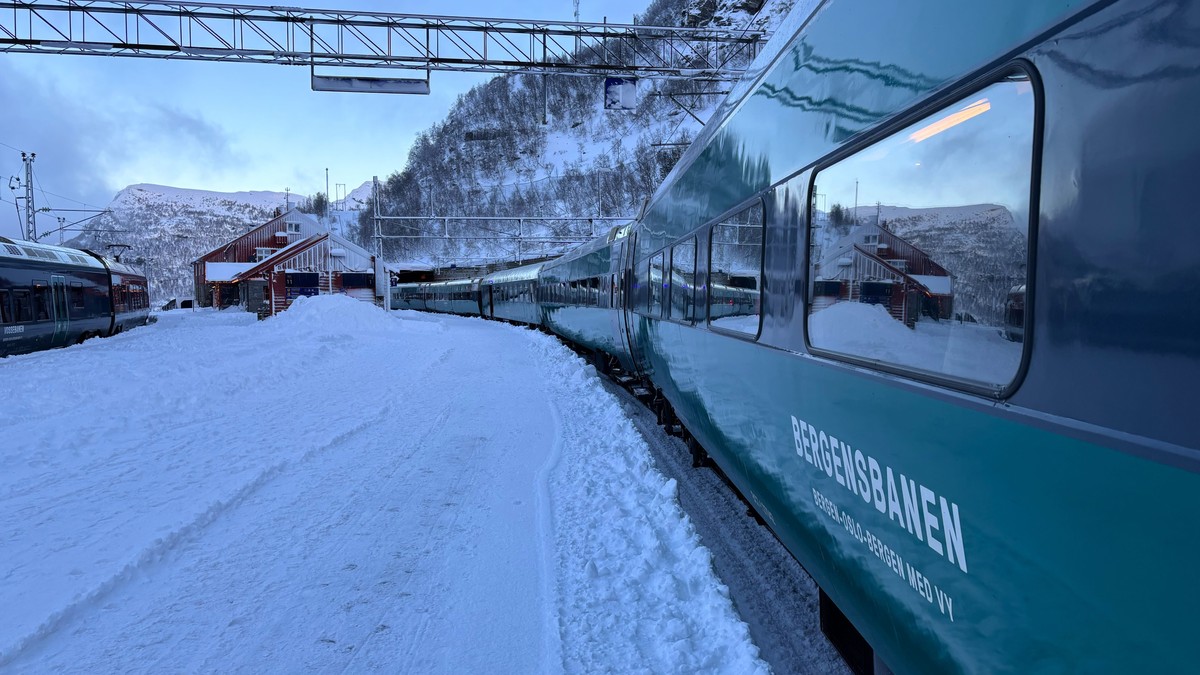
{"points": [[927, 290]]}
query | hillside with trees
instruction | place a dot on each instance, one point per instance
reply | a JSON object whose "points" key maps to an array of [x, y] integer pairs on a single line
{"points": [[493, 156]]}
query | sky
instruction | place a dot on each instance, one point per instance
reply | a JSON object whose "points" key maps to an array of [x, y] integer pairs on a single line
{"points": [[977, 150], [511, 523], [99, 124]]}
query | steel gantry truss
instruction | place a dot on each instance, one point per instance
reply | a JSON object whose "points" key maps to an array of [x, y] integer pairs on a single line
{"points": [[325, 38]]}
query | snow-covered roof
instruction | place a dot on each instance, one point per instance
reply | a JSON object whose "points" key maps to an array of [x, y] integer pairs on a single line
{"points": [[936, 285], [27, 250], [224, 271]]}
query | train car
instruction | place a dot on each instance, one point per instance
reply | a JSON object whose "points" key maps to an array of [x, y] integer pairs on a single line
{"points": [[512, 295], [875, 190], [579, 295], [52, 296], [458, 296], [130, 298], [409, 296]]}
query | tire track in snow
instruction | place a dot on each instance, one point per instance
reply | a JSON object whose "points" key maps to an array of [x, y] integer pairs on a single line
{"points": [[165, 544]]}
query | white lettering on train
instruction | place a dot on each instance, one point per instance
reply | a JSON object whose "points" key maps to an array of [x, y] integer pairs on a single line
{"points": [[913, 507]]}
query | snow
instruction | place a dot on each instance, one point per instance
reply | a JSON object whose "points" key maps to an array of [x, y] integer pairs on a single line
{"points": [[339, 488], [199, 198], [224, 271], [965, 350], [359, 196], [936, 284]]}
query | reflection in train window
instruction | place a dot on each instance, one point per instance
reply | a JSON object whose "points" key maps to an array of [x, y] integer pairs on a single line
{"points": [[22, 306], [41, 301], [735, 271], [683, 281], [76, 295], [920, 243], [656, 284], [5, 311]]}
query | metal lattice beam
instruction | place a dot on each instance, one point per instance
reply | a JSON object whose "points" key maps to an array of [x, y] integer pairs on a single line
{"points": [[318, 38]]}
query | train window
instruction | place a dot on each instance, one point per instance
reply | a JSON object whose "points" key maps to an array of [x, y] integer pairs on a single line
{"points": [[41, 302], [921, 255], [22, 306], [735, 271], [5, 309], [76, 295], [657, 282], [683, 280]]}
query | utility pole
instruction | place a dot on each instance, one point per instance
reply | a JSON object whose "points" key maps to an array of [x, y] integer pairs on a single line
{"points": [[287, 199], [378, 231], [30, 211], [326, 190], [855, 201]]}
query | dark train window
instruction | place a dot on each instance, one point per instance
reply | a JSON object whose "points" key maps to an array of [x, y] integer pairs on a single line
{"points": [[683, 280], [5, 309], [735, 271], [41, 302], [657, 281], [76, 295], [920, 243], [22, 306]]}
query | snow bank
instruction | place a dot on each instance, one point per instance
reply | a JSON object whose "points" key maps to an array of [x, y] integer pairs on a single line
{"points": [[635, 585]]}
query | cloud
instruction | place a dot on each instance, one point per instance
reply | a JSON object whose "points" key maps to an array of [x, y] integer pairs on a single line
{"points": [[69, 138], [206, 140]]}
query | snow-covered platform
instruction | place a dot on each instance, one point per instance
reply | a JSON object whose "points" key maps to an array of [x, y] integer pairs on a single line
{"points": [[400, 493]]}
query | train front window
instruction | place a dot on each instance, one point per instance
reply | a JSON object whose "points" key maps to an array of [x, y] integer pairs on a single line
{"points": [[919, 242], [735, 271]]}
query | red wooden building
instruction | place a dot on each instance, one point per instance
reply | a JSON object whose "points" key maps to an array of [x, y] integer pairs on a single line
{"points": [[289, 256], [875, 266]]}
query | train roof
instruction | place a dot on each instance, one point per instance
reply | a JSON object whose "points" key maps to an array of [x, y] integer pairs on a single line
{"points": [[522, 273], [29, 250], [469, 281]]}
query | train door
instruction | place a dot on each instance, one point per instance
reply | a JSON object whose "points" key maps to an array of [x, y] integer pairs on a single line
{"points": [[618, 304], [58, 295], [628, 295], [491, 302]]}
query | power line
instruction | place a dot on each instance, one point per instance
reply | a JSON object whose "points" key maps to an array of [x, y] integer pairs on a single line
{"points": [[45, 201], [76, 201]]}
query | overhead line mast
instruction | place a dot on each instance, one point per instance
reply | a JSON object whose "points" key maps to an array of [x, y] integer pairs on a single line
{"points": [[30, 211]]}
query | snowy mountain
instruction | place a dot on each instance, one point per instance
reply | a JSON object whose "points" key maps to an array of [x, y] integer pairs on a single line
{"points": [[358, 199], [166, 228]]}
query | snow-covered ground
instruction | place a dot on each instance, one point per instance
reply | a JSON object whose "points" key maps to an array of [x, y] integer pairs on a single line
{"points": [[341, 489]]}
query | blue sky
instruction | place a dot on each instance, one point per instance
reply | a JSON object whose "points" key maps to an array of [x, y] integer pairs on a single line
{"points": [[99, 124]]}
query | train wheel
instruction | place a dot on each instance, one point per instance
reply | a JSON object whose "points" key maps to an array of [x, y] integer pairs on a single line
{"points": [[700, 458]]}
